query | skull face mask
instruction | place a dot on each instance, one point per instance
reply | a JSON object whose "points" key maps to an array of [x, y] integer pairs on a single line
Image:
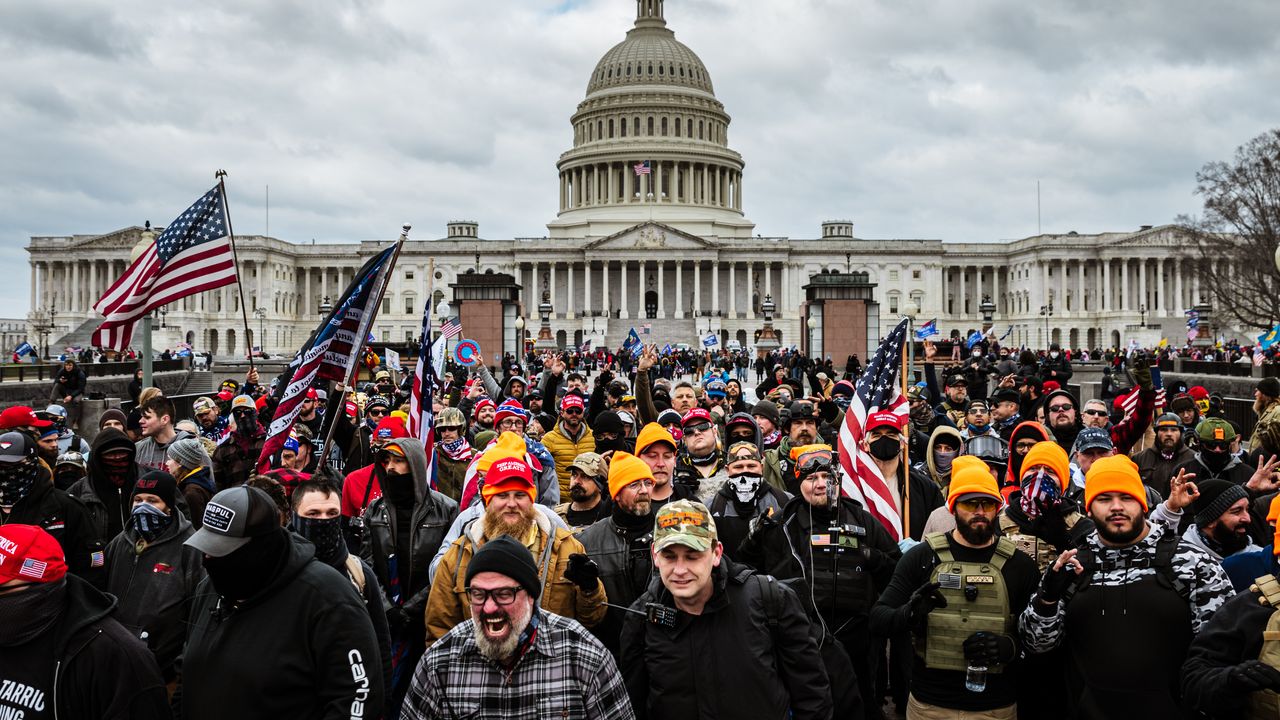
{"points": [[745, 486]]}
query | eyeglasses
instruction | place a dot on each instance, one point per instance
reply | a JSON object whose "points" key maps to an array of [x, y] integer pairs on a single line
{"points": [[502, 596], [1061, 408], [1098, 413], [699, 428], [1024, 447], [511, 423], [983, 504]]}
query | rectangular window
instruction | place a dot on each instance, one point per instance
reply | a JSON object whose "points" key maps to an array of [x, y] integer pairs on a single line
{"points": [[408, 306], [893, 304], [915, 274], [893, 274], [408, 337], [408, 274], [386, 305]]}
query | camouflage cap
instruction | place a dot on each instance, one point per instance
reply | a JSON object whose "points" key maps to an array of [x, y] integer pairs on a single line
{"points": [[684, 522]]}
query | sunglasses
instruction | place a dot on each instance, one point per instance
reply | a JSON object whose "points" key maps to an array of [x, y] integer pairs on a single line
{"points": [[983, 504], [1098, 413], [699, 428], [375, 412], [1061, 408], [571, 411], [1216, 445]]}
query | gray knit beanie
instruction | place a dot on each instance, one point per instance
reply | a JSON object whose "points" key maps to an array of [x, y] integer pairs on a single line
{"points": [[189, 453]]}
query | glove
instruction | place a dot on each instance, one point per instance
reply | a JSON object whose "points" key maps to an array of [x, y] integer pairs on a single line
{"points": [[924, 600], [1142, 375], [1253, 675], [984, 648], [1055, 583], [906, 544], [397, 619], [583, 572]]}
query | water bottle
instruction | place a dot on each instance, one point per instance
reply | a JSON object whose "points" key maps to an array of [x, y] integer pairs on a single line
{"points": [[975, 678]]}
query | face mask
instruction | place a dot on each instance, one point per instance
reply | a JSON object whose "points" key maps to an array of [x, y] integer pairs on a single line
{"points": [[1040, 492], [604, 446], [979, 429], [1216, 462], [977, 353], [149, 521], [942, 459], [398, 487], [922, 414], [745, 486], [247, 571], [25, 615], [1053, 355], [117, 469], [16, 480], [325, 534], [247, 423], [842, 402], [886, 448]]}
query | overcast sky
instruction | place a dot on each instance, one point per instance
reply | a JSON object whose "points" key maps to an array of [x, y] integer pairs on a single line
{"points": [[913, 119]]}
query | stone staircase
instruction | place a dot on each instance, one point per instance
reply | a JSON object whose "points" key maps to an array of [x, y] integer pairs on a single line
{"points": [[80, 337]]}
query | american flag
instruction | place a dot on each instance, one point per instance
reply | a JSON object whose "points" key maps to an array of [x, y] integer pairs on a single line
{"points": [[876, 390], [421, 413], [33, 568], [643, 168], [192, 255], [330, 354], [449, 329]]}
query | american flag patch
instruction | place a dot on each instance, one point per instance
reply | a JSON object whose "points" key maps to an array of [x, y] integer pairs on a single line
{"points": [[33, 569], [97, 559]]}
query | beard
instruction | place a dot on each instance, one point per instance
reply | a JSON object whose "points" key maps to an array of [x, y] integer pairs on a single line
{"points": [[640, 507], [494, 525], [976, 533], [579, 493], [1229, 540], [1168, 443], [501, 650], [1121, 537]]}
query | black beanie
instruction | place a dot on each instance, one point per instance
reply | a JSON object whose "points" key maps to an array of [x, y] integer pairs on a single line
{"points": [[1214, 498], [506, 556], [608, 421], [158, 483]]}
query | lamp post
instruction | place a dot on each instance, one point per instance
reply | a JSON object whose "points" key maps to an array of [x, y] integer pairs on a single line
{"points": [[812, 324], [261, 314], [1046, 312], [988, 309], [326, 306], [519, 336], [1142, 315]]}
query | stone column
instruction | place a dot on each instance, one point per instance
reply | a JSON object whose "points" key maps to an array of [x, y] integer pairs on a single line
{"points": [[1177, 288], [768, 279], [622, 306], [715, 286], [657, 185], [751, 306], [995, 289], [1161, 298], [662, 299], [962, 308], [679, 313], [733, 290], [605, 300], [1080, 301], [1124, 284], [569, 304], [587, 303], [784, 288], [556, 310], [697, 308], [1142, 283], [706, 184]]}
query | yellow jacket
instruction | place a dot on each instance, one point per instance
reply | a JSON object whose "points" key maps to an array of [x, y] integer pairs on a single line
{"points": [[565, 451]]}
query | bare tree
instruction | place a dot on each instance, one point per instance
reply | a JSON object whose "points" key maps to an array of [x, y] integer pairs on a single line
{"points": [[1234, 244]]}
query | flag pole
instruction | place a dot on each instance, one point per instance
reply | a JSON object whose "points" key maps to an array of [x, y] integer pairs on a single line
{"points": [[362, 334], [907, 347], [244, 311]]}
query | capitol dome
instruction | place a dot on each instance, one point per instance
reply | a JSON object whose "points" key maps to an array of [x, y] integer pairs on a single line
{"points": [[650, 143]]}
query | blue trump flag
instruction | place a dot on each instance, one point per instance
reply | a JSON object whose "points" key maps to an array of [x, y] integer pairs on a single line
{"points": [[633, 344], [710, 340], [927, 330]]}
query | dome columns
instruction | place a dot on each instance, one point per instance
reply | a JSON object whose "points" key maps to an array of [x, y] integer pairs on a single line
{"points": [[668, 182]]}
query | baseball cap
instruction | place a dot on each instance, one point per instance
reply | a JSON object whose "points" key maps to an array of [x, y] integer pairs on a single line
{"points": [[1209, 430], [244, 402], [977, 403], [203, 403], [916, 392], [21, 416], [695, 415], [311, 394], [1093, 439], [16, 447], [1006, 395], [382, 374], [591, 464], [30, 553], [957, 379], [884, 418], [684, 522], [716, 388], [571, 400], [232, 518]]}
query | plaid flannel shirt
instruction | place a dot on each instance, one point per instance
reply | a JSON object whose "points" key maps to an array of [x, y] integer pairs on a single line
{"points": [[566, 673]]}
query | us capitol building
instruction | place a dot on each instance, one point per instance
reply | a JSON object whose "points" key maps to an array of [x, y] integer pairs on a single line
{"points": [[672, 249]]}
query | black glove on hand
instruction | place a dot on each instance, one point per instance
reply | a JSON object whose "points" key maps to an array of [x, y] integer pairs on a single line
{"points": [[397, 619], [1253, 675], [1054, 583], [984, 648], [924, 600], [1141, 373], [583, 572]]}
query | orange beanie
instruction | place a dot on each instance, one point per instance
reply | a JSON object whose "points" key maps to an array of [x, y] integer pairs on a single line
{"points": [[970, 478], [1116, 473], [624, 469], [509, 445], [654, 433], [1052, 456]]}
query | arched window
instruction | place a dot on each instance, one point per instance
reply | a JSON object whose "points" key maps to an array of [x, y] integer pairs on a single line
{"points": [[677, 127], [599, 129], [623, 127], [650, 126], [628, 70], [700, 127], [660, 70], [611, 127], [688, 128], [635, 125], [650, 68], [664, 127]]}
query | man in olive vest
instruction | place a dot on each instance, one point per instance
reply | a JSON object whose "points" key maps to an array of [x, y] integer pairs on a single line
{"points": [[960, 594]]}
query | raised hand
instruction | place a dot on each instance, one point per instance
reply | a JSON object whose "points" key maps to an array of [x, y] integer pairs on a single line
{"points": [[1182, 492], [1264, 479]]}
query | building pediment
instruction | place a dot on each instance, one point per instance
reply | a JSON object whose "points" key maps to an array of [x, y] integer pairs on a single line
{"points": [[123, 238], [651, 236]]}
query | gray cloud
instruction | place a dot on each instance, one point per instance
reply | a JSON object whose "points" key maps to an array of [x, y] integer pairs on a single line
{"points": [[912, 118]]}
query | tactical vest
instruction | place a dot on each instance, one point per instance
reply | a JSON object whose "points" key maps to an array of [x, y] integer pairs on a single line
{"points": [[1033, 547], [977, 601], [1266, 703]]}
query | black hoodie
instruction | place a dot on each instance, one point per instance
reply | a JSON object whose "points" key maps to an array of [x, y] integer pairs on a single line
{"points": [[108, 505], [302, 648], [68, 521]]}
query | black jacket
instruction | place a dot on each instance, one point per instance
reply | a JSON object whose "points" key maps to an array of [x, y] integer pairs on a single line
{"points": [[1232, 636], [70, 382], [303, 648], [154, 588], [433, 513], [100, 671], [1056, 369], [734, 660], [734, 518], [626, 568], [68, 521], [108, 505], [783, 548]]}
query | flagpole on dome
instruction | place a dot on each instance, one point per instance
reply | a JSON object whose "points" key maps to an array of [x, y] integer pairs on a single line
{"points": [[244, 311], [362, 333]]}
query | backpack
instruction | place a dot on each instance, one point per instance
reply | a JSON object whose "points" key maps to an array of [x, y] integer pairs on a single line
{"points": [[356, 573], [1266, 703]]}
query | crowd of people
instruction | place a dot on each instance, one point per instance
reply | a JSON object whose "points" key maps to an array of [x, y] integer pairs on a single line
{"points": [[599, 537]]}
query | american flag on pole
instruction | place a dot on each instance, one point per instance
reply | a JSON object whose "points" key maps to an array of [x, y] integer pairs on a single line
{"points": [[421, 413], [193, 254], [449, 329], [331, 352], [642, 168], [877, 390]]}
